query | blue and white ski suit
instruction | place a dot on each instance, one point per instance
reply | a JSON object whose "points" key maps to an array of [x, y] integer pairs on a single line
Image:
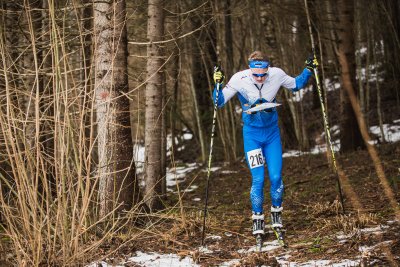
{"points": [[261, 134]]}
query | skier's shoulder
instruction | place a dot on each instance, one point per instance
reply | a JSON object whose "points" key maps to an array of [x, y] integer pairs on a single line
{"points": [[240, 77], [276, 71], [277, 74]]}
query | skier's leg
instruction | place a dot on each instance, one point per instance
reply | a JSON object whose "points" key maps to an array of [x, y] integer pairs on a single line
{"points": [[255, 162], [273, 154]]}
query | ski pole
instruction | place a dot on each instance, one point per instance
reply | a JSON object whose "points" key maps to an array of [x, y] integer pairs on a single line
{"points": [[218, 85], [326, 125]]}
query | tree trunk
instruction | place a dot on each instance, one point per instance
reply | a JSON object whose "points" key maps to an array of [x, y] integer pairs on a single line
{"points": [[154, 95], [163, 138], [378, 95], [350, 136], [116, 169], [359, 45]]}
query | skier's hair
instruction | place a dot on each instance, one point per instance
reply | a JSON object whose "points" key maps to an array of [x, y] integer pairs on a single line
{"points": [[258, 55]]}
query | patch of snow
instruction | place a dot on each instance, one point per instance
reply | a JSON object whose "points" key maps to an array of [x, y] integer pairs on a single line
{"points": [[367, 249], [298, 96], [292, 153], [196, 199], [330, 85], [229, 263], [267, 246], [205, 250], [317, 263], [165, 260], [337, 86], [391, 132], [228, 172], [214, 237], [375, 230], [191, 188], [138, 156], [187, 136], [177, 175], [343, 237], [346, 263], [102, 264], [362, 50], [213, 169]]}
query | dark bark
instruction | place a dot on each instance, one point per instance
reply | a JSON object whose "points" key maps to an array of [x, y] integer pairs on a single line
{"points": [[350, 136]]}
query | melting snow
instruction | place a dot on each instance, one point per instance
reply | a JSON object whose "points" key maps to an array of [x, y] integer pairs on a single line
{"points": [[102, 264], [187, 136], [267, 246], [162, 260], [391, 132], [344, 263], [228, 172], [205, 250], [177, 174], [229, 263], [151, 259], [213, 169], [214, 237], [191, 188]]}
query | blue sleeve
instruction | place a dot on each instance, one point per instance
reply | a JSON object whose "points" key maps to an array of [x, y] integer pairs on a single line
{"points": [[221, 100], [302, 79]]}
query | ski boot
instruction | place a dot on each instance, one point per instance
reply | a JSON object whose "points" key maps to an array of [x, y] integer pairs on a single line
{"points": [[276, 224], [258, 229]]}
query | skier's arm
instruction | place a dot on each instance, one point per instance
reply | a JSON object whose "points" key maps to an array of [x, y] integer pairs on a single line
{"points": [[299, 82], [225, 93], [302, 80]]}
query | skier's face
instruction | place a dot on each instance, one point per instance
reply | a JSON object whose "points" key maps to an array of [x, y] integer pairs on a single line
{"points": [[259, 74]]}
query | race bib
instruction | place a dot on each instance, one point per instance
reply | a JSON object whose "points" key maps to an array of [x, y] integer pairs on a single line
{"points": [[255, 158]]}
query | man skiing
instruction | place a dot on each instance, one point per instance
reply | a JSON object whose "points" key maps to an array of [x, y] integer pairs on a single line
{"points": [[259, 84]]}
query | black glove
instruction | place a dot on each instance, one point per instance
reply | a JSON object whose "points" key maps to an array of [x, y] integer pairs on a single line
{"points": [[218, 75], [311, 63]]}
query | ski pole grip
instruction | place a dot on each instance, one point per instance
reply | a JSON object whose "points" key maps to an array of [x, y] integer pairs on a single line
{"points": [[218, 75]]}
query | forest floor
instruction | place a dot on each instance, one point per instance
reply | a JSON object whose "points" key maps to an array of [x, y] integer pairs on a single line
{"points": [[317, 233]]}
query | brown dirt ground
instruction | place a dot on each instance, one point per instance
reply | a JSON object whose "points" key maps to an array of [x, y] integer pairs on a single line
{"points": [[312, 213]]}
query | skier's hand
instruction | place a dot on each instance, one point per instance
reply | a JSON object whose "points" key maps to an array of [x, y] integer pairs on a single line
{"points": [[218, 75], [311, 63]]}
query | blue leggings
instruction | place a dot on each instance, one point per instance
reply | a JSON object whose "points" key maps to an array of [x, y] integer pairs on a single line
{"points": [[260, 144]]}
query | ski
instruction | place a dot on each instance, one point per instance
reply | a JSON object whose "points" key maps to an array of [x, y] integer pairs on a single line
{"points": [[259, 242], [280, 236]]}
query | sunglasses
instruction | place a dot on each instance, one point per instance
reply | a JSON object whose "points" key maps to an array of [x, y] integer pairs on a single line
{"points": [[259, 74]]}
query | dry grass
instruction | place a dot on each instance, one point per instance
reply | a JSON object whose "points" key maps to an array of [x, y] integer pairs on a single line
{"points": [[49, 187]]}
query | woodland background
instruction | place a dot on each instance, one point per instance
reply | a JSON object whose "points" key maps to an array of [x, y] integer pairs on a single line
{"points": [[84, 84]]}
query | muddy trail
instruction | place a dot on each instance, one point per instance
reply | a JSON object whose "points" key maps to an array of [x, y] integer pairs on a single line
{"points": [[317, 232]]}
